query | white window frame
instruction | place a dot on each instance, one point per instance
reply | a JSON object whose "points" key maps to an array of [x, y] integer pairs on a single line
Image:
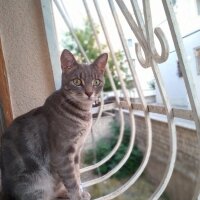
{"points": [[198, 6]]}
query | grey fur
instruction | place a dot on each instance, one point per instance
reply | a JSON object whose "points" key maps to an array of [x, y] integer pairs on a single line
{"points": [[40, 151]]}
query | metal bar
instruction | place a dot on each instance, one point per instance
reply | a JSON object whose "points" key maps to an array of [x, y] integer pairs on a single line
{"points": [[111, 50], [147, 119], [144, 34], [69, 25], [138, 15], [137, 31], [99, 46], [60, 9], [111, 153], [92, 24], [133, 179], [132, 139], [107, 68], [100, 109], [116, 168], [132, 23], [127, 53], [105, 107], [98, 43], [172, 129], [150, 60], [188, 79]]}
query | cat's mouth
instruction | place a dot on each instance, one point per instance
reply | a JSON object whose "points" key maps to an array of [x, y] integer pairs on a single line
{"points": [[90, 98], [84, 98]]}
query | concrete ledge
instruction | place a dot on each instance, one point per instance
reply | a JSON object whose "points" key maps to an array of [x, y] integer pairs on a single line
{"points": [[162, 118]]}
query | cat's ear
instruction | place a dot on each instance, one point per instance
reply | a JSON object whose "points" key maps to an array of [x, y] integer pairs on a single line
{"points": [[67, 60], [101, 61]]}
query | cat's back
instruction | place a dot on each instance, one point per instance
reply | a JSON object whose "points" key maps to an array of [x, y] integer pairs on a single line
{"points": [[25, 154], [27, 133], [33, 121]]}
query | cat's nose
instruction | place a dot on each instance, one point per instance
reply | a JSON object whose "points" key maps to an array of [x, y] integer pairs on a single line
{"points": [[89, 94]]}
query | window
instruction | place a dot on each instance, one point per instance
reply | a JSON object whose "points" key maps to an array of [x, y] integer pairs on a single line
{"points": [[197, 58], [198, 6], [173, 2], [179, 72], [130, 42]]}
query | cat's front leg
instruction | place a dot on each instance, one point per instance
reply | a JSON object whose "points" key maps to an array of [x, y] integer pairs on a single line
{"points": [[68, 176], [84, 194], [60, 191], [66, 169]]}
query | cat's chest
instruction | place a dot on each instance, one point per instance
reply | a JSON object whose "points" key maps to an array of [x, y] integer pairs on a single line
{"points": [[65, 135], [69, 129]]}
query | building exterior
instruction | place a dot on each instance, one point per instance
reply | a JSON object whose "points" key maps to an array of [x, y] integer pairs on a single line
{"points": [[188, 16]]}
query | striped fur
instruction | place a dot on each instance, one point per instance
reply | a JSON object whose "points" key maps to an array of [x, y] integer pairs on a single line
{"points": [[41, 149]]}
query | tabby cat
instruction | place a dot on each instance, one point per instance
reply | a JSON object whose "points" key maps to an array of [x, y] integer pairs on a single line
{"points": [[40, 151]]}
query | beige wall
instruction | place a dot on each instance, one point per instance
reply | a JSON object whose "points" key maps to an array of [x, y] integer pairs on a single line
{"points": [[26, 54]]}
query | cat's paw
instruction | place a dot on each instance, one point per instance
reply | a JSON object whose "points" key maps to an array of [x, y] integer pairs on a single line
{"points": [[61, 192], [85, 195], [63, 195]]}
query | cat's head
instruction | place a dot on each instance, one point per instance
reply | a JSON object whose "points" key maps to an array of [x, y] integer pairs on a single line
{"points": [[82, 82]]}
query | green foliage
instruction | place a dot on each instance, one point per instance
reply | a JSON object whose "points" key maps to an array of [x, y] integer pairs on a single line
{"points": [[105, 146], [87, 40]]}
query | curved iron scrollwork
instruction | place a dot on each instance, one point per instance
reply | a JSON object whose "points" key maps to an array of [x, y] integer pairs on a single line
{"points": [[148, 56], [143, 31]]}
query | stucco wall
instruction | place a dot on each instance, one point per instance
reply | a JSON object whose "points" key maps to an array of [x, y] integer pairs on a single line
{"points": [[26, 54]]}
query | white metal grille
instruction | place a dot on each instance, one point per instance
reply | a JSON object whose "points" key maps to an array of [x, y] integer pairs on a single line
{"points": [[148, 56]]}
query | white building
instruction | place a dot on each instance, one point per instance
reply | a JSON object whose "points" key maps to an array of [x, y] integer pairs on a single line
{"points": [[188, 16]]}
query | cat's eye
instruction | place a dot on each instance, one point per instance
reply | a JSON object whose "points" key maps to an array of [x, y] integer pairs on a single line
{"points": [[77, 82], [96, 82]]}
